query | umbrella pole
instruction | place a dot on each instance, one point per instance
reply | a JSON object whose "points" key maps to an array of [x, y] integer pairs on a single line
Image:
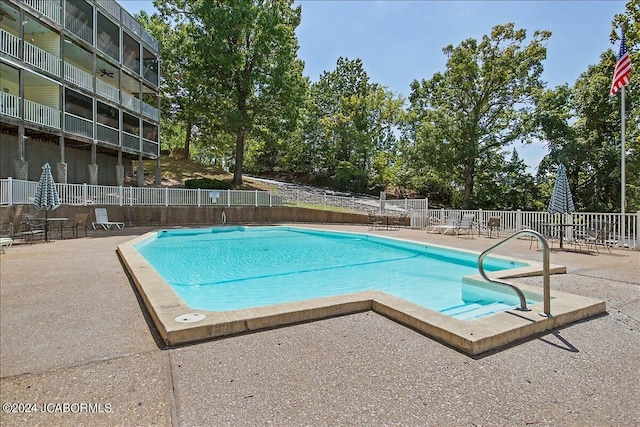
{"points": [[46, 225]]}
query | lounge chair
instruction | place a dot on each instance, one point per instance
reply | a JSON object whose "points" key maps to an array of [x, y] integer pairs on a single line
{"points": [[6, 238], [466, 223], [449, 224], [103, 219]]}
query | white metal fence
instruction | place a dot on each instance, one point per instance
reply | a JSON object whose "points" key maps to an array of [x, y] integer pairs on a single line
{"points": [[355, 204], [18, 192], [512, 221]]}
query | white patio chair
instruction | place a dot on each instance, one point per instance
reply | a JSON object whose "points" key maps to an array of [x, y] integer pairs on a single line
{"points": [[103, 219]]}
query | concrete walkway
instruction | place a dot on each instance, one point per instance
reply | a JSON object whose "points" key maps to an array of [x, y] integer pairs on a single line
{"points": [[77, 346]]}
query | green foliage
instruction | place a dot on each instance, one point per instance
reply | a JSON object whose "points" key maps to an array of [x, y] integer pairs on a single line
{"points": [[350, 177], [207, 183], [481, 103]]}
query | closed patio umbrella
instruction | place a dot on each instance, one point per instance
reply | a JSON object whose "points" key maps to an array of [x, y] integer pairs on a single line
{"points": [[561, 199], [47, 197]]}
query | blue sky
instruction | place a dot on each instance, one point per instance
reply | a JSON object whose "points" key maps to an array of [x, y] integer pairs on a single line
{"points": [[402, 41]]}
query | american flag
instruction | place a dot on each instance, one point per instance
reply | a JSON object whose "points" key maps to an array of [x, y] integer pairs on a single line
{"points": [[623, 68]]}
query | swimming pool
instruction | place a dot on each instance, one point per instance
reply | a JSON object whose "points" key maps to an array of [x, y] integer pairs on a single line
{"points": [[178, 323], [232, 268]]}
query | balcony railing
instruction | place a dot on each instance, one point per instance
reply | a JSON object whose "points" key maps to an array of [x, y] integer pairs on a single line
{"points": [[130, 141], [131, 102], [78, 125], [78, 76], [110, 6], [41, 114], [152, 42], [150, 111], [41, 59], [79, 28], [9, 44], [131, 23], [107, 134], [108, 91], [150, 147], [9, 105], [49, 8]]}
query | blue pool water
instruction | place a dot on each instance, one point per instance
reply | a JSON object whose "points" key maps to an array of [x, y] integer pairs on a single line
{"points": [[230, 268]]}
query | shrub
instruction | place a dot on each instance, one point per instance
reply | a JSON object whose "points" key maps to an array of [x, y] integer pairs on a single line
{"points": [[207, 183]]}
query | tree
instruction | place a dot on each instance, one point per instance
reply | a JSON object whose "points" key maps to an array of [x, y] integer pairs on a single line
{"points": [[248, 77], [348, 122], [482, 102]]}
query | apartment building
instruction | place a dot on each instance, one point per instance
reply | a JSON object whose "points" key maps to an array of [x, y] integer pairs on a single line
{"points": [[78, 89]]}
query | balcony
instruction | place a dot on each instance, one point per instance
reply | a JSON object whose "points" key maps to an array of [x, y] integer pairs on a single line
{"points": [[78, 77], [9, 105], [130, 141], [79, 28], [108, 91], [110, 6], [150, 111], [41, 114], [107, 134], [9, 44], [49, 8], [150, 147], [41, 59], [78, 125], [131, 102]]}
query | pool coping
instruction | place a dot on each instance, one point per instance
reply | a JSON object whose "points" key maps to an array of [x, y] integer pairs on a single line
{"points": [[472, 337]]}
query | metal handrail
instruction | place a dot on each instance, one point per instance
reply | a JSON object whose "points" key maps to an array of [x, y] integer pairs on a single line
{"points": [[545, 271]]}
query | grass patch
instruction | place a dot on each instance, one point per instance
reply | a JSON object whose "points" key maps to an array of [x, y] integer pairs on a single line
{"points": [[176, 172]]}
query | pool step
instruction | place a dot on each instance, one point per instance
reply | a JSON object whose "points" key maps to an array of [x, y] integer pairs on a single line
{"points": [[474, 310]]}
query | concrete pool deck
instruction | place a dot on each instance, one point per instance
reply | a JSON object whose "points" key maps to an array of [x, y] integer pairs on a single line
{"points": [[73, 331]]}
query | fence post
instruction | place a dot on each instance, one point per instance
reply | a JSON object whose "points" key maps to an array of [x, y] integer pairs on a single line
{"points": [[637, 242], [270, 205], [480, 221], [130, 195], [120, 194], [85, 194], [198, 197], [166, 196], [518, 220], [229, 197], [256, 198], [10, 191]]}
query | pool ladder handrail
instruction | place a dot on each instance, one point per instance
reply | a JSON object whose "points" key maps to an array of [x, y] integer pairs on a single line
{"points": [[545, 271]]}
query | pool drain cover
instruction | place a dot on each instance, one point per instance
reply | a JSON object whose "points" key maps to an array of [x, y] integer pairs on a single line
{"points": [[190, 318]]}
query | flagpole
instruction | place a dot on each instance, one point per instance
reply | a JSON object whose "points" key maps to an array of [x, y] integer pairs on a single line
{"points": [[623, 175]]}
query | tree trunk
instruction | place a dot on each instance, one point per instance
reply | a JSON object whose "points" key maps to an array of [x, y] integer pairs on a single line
{"points": [[237, 172], [469, 172], [187, 140]]}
